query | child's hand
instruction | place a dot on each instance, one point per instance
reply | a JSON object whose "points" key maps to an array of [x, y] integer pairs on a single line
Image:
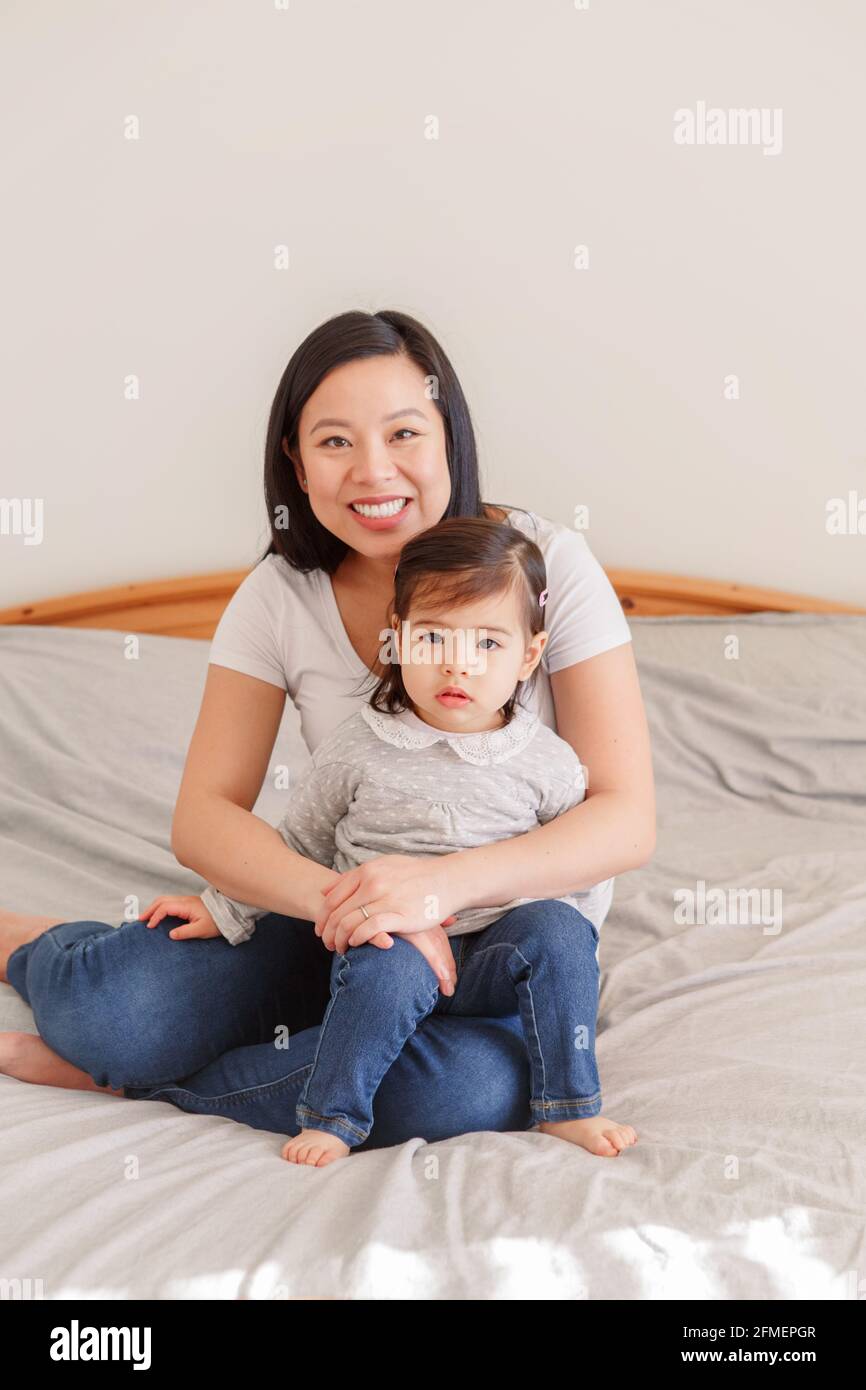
{"points": [[436, 950], [199, 921], [434, 947]]}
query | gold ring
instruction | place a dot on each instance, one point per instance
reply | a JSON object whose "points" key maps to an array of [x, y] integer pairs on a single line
{"points": [[365, 912]]}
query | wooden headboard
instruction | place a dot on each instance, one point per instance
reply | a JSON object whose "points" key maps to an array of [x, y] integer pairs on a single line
{"points": [[191, 606]]}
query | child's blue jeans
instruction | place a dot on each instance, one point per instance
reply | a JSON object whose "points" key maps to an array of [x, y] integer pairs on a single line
{"points": [[540, 955]]}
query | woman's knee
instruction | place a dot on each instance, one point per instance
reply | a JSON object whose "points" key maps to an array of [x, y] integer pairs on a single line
{"points": [[112, 1007], [454, 1076], [494, 1050]]}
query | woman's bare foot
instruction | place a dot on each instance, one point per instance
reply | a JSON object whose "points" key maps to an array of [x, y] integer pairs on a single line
{"points": [[316, 1147], [18, 927], [26, 1057], [606, 1138]]}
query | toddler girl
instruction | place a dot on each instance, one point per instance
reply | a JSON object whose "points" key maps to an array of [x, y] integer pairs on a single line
{"points": [[442, 758]]}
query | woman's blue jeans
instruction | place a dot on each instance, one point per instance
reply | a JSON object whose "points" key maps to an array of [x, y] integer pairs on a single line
{"points": [[540, 956], [232, 1030]]}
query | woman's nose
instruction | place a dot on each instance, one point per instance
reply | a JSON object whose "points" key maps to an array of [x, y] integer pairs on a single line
{"points": [[372, 462]]}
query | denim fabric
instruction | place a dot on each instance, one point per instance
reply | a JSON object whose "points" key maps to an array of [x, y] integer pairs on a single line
{"points": [[540, 957], [232, 1030]]}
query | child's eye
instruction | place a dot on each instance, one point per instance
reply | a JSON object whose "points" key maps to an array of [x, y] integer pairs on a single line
{"points": [[435, 639]]}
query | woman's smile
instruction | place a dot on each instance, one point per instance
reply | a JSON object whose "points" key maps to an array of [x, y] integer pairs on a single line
{"points": [[381, 516]]}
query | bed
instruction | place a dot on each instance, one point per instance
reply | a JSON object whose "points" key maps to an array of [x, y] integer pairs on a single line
{"points": [[732, 1037]]}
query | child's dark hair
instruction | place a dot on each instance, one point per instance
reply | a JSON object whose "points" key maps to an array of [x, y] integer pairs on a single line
{"points": [[458, 560]]}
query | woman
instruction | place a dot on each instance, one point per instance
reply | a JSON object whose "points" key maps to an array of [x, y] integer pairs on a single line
{"points": [[369, 442]]}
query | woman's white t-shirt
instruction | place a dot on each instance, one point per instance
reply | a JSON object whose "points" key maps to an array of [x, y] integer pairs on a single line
{"points": [[285, 628]]}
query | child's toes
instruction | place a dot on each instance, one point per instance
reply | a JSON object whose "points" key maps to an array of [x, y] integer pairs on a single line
{"points": [[315, 1152], [601, 1145], [621, 1136], [296, 1150], [324, 1156]]}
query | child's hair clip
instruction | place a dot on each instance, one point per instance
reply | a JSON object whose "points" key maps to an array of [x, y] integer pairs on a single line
{"points": [[542, 599]]}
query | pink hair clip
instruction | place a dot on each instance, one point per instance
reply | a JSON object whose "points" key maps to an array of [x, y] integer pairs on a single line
{"points": [[542, 599]]}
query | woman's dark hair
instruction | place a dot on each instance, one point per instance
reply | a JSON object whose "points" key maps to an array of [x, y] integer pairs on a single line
{"points": [[454, 562], [296, 532]]}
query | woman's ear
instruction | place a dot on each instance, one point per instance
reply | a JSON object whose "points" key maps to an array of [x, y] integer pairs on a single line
{"points": [[299, 471]]}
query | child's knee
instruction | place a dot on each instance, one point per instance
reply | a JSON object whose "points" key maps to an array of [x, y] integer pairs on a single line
{"points": [[402, 961], [556, 927]]}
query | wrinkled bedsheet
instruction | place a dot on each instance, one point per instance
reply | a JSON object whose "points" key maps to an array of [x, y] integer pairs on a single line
{"points": [[731, 1027]]}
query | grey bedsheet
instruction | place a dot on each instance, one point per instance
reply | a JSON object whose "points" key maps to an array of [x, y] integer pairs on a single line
{"points": [[737, 1049]]}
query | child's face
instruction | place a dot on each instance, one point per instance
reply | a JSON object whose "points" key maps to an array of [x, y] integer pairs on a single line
{"points": [[480, 648]]}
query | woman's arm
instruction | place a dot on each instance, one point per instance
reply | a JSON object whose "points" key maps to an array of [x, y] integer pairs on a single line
{"points": [[214, 831], [599, 711]]}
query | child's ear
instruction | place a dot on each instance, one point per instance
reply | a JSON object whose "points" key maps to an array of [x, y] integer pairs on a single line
{"points": [[534, 650]]}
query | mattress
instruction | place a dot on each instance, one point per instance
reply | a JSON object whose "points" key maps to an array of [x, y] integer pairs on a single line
{"points": [[731, 1021]]}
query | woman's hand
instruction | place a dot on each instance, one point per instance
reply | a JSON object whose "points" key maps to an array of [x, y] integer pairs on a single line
{"points": [[402, 893], [199, 921]]}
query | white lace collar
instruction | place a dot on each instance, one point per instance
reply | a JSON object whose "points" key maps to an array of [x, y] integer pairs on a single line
{"points": [[406, 730]]}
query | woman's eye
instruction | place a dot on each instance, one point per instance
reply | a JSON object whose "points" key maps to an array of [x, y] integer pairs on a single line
{"points": [[340, 439]]}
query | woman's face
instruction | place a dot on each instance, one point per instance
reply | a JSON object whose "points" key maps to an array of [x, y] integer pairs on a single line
{"points": [[369, 433]]}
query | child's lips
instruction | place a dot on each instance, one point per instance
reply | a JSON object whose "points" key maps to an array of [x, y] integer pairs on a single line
{"points": [[454, 696]]}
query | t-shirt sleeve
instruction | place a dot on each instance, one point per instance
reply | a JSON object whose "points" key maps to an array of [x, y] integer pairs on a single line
{"points": [[564, 790], [235, 920], [318, 803], [246, 635], [582, 614]]}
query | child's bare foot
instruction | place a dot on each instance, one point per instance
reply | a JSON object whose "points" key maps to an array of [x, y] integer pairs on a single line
{"points": [[18, 927], [607, 1138], [316, 1147], [26, 1057]]}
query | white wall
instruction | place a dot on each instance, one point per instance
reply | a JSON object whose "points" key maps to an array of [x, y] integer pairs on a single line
{"points": [[306, 126]]}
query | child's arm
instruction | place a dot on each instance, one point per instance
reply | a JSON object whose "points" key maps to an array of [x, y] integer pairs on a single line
{"points": [[318, 803]]}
